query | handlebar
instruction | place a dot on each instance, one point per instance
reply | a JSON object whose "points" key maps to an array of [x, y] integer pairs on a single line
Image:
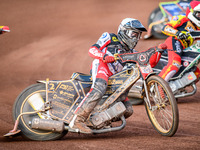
{"points": [[194, 34], [161, 48], [116, 57]]}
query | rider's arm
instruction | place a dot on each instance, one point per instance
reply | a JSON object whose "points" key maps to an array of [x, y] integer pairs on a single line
{"points": [[170, 28], [96, 50], [154, 59], [156, 56]]}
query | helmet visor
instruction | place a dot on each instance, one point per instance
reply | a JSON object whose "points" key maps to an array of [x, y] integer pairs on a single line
{"points": [[133, 34], [197, 14]]}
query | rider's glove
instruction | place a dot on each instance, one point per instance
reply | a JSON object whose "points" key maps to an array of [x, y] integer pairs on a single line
{"points": [[108, 59], [181, 35], [162, 46]]}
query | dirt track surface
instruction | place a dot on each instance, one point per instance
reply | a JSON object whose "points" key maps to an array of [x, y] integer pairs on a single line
{"points": [[51, 39]]}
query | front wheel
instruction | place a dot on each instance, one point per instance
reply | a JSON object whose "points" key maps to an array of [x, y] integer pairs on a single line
{"points": [[22, 105], [163, 113]]}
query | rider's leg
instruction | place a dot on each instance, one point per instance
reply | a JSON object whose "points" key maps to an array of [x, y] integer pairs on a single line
{"points": [[174, 62], [100, 74], [197, 73], [89, 102], [174, 59]]}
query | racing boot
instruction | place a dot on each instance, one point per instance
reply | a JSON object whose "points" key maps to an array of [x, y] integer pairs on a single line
{"points": [[89, 103]]}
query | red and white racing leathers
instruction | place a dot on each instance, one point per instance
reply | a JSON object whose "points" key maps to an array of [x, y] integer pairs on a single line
{"points": [[176, 25], [108, 44]]}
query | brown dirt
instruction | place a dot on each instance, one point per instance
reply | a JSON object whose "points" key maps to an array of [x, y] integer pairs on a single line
{"points": [[51, 38]]}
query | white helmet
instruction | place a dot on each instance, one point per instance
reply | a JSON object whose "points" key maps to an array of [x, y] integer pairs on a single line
{"points": [[193, 12], [129, 32]]}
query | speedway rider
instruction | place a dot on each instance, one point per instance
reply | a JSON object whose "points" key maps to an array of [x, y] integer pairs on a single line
{"points": [[178, 38], [104, 66]]}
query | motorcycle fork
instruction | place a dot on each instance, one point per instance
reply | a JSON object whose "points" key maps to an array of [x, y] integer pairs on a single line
{"points": [[146, 99]]}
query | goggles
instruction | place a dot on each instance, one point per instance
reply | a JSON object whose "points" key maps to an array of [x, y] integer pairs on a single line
{"points": [[197, 14], [133, 34]]}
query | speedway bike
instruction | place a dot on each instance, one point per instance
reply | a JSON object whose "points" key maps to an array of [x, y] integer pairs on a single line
{"points": [[44, 111], [184, 82]]}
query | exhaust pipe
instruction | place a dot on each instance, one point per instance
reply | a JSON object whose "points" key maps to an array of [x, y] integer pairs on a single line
{"points": [[48, 125], [58, 126], [187, 94]]}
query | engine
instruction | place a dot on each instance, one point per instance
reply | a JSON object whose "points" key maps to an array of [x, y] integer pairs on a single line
{"points": [[98, 119], [187, 79]]}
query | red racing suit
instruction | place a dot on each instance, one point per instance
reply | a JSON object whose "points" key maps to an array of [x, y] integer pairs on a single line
{"points": [[176, 25], [108, 44]]}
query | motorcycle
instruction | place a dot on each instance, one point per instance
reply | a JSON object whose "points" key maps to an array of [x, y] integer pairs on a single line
{"points": [[183, 83], [44, 111], [163, 14]]}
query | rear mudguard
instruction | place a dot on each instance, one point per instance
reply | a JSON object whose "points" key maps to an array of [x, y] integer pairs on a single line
{"points": [[41, 81]]}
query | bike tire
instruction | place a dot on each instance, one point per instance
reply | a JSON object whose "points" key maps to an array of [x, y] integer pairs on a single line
{"points": [[156, 15], [21, 105], [164, 114]]}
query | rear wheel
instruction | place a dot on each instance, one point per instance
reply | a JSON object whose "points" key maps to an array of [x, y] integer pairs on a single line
{"points": [[163, 114], [22, 104]]}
